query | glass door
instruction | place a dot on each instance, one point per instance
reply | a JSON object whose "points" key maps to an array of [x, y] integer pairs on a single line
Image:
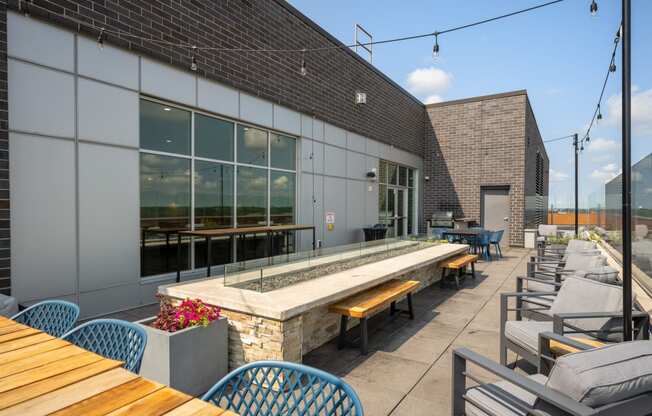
{"points": [[391, 212], [396, 212]]}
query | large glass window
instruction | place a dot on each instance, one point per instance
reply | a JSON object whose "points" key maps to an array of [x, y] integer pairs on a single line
{"points": [[199, 183], [282, 198], [252, 146], [164, 128], [283, 150], [213, 138], [252, 197], [164, 210], [396, 203]]}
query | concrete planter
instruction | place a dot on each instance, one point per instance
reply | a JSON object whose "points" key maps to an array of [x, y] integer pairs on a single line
{"points": [[190, 360]]}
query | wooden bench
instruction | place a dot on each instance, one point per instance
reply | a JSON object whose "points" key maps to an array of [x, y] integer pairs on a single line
{"points": [[364, 304], [458, 264]]}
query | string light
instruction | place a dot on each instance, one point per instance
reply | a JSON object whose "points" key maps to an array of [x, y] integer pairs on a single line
{"points": [[23, 5], [304, 70], [593, 8], [100, 39], [599, 114], [435, 48], [193, 61]]}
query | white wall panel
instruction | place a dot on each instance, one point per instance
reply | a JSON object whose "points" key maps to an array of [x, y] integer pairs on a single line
{"points": [[373, 147], [355, 213], [334, 161], [108, 64], [256, 110], [371, 203], [167, 82], [287, 120], [107, 114], [318, 156], [334, 135], [306, 155], [41, 100], [356, 166], [109, 300], [218, 98], [42, 180], [356, 142], [39, 42], [318, 130], [335, 201], [109, 252], [306, 126]]}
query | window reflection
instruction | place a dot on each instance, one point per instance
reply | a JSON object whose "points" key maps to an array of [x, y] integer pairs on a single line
{"points": [[164, 210], [282, 188], [164, 128], [283, 152], [213, 195], [252, 196], [252, 146], [213, 138]]}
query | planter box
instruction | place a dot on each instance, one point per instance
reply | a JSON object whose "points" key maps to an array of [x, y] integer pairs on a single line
{"points": [[190, 360]]}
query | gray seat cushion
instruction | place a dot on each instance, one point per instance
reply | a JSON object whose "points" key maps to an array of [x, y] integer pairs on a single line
{"points": [[502, 398], [584, 261], [580, 245], [547, 230], [526, 333], [604, 375], [583, 295]]}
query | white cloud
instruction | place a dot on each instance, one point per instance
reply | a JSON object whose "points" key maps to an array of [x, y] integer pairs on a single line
{"points": [[557, 176], [641, 111], [606, 173], [600, 158], [429, 83], [601, 145]]}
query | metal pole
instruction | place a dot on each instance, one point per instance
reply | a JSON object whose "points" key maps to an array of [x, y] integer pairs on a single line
{"points": [[577, 151], [626, 176]]}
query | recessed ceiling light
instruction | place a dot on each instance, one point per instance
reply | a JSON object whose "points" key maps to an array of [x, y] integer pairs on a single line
{"points": [[167, 109], [168, 140]]}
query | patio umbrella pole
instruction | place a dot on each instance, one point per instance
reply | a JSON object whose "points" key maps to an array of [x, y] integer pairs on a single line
{"points": [[576, 145], [626, 163]]}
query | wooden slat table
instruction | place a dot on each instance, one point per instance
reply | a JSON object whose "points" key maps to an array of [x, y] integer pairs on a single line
{"points": [[43, 375]]}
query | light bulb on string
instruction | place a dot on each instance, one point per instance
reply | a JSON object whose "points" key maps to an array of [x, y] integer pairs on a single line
{"points": [[304, 69], [100, 39], [612, 66], [435, 48], [599, 117], [193, 61], [588, 138], [593, 8]]}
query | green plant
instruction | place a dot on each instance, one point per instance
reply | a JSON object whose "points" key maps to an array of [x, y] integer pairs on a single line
{"points": [[189, 313]]}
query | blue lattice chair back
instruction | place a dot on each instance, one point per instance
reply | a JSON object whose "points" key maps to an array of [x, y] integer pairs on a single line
{"points": [[112, 338], [496, 236], [266, 388], [483, 238], [56, 317]]}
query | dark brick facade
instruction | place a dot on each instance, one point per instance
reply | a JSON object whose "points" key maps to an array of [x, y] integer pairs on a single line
{"points": [[480, 142]]}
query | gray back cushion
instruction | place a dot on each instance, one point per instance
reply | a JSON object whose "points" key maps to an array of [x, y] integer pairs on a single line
{"points": [[604, 375], [582, 261], [583, 295], [604, 274], [579, 245], [547, 230]]}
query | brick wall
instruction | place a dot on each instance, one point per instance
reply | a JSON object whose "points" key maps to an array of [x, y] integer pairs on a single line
{"points": [[328, 91], [474, 143], [5, 259]]}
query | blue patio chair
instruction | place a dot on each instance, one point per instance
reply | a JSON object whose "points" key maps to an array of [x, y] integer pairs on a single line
{"points": [[438, 233], [112, 338], [56, 317], [483, 242], [496, 236], [266, 388]]}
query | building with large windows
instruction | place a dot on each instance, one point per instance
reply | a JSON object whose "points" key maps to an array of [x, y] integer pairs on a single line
{"points": [[110, 151]]}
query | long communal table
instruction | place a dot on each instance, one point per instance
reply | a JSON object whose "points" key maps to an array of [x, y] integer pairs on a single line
{"points": [[242, 232], [43, 375]]}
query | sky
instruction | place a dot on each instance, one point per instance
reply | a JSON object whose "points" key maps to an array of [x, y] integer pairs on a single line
{"points": [[560, 54]]}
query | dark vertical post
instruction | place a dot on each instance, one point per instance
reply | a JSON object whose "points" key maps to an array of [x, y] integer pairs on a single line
{"points": [[208, 256], [626, 162], [178, 258], [576, 145]]}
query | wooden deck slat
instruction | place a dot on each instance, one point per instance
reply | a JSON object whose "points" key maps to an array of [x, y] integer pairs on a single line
{"points": [[7, 329], [24, 342], [18, 334], [32, 350], [71, 394], [49, 370], [365, 303], [112, 399], [30, 391], [34, 361], [458, 262], [156, 404], [196, 407]]}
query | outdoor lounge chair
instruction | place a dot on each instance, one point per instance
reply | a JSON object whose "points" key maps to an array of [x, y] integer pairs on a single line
{"points": [[559, 252], [56, 317], [266, 388], [608, 381], [582, 307]]}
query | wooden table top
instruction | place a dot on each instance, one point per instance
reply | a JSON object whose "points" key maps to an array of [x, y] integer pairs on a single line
{"points": [[217, 232], [43, 375], [463, 232]]}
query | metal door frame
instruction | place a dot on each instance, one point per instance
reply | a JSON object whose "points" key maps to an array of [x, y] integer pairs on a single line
{"points": [[484, 188]]}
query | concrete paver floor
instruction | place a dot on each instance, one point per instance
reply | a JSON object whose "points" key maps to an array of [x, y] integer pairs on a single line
{"points": [[408, 368]]}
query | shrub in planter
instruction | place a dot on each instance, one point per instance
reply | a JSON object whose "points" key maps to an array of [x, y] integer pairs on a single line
{"points": [[187, 346]]}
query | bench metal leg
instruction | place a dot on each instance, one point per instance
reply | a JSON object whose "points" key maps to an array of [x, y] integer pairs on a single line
{"points": [[457, 278], [410, 309], [364, 336], [341, 341], [473, 270], [392, 308], [443, 277]]}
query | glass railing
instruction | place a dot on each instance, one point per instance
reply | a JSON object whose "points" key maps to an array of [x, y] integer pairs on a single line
{"points": [[270, 273]]}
